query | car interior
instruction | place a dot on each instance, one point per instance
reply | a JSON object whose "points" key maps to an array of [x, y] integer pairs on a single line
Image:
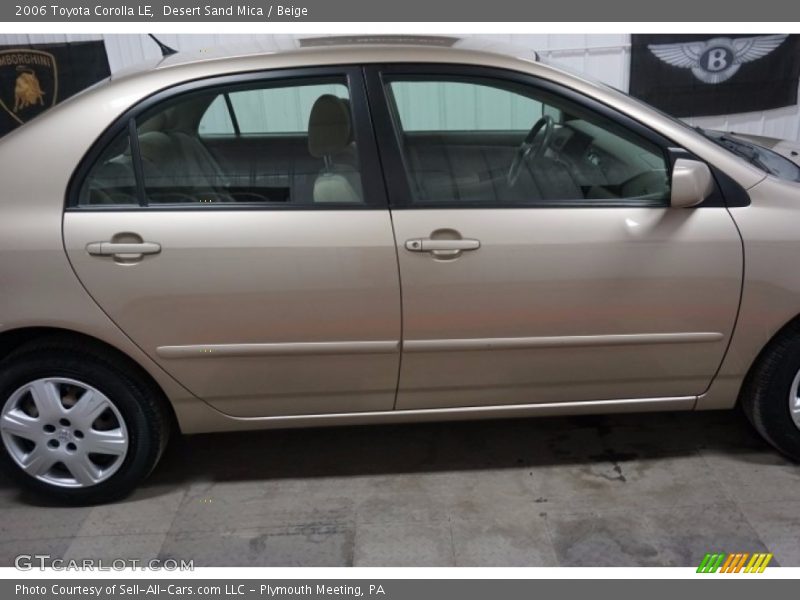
{"points": [[563, 158], [180, 166]]}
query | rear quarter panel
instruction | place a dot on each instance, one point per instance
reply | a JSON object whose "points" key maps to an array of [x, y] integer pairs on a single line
{"points": [[38, 287]]}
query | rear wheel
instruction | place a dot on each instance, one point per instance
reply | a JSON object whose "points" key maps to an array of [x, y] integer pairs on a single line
{"points": [[77, 425], [771, 395]]}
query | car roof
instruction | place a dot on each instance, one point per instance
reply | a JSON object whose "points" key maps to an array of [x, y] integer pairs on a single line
{"points": [[347, 49]]}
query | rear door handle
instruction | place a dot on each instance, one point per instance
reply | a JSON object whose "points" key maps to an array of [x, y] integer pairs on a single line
{"points": [[442, 247], [125, 250]]}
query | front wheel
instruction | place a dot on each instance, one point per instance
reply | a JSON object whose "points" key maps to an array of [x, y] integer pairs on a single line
{"points": [[771, 395], [76, 425]]}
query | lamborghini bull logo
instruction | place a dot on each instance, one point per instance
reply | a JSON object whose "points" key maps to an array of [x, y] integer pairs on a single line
{"points": [[27, 91], [28, 82]]}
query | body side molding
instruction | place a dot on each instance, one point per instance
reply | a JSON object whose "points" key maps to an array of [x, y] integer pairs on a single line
{"points": [[280, 349], [559, 341], [389, 346]]}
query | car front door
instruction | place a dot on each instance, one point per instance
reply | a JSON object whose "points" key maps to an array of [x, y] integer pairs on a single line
{"points": [[236, 229], [540, 261]]}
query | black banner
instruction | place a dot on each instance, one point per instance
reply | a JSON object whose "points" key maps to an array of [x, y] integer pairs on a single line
{"points": [[694, 75], [36, 77]]}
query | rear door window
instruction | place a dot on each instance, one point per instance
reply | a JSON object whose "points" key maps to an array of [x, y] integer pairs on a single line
{"points": [[273, 144]]}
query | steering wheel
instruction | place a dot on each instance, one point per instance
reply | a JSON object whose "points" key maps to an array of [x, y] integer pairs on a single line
{"points": [[531, 147]]}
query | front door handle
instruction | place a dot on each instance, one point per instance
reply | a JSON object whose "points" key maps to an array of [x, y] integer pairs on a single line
{"points": [[123, 249], [442, 247]]}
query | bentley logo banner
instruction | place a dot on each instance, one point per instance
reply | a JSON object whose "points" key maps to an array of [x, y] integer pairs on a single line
{"points": [[694, 75], [34, 78]]}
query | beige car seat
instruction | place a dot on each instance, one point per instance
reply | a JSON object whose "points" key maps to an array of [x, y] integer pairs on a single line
{"points": [[177, 166], [330, 137]]}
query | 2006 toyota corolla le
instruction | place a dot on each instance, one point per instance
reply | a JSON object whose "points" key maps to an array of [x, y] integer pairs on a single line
{"points": [[375, 232]]}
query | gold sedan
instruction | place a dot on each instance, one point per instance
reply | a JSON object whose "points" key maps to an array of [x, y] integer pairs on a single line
{"points": [[375, 231]]}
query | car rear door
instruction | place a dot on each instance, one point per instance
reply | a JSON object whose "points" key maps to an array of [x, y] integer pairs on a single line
{"points": [[575, 283], [237, 230]]}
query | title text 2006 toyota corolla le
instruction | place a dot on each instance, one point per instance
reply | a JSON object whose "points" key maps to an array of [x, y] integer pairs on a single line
{"points": [[369, 233]]}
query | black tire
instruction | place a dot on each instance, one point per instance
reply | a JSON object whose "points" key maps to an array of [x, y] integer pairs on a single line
{"points": [[138, 401], [765, 394]]}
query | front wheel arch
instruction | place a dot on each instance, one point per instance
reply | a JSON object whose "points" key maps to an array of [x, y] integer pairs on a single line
{"points": [[790, 328], [765, 394]]}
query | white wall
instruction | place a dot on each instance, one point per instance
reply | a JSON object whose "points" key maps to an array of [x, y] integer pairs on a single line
{"points": [[603, 56]]}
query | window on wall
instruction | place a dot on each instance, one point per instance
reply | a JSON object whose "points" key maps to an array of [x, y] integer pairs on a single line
{"points": [[459, 106], [217, 120], [265, 111], [268, 145], [479, 141]]}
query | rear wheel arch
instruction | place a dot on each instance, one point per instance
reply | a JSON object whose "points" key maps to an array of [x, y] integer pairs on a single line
{"points": [[15, 340]]}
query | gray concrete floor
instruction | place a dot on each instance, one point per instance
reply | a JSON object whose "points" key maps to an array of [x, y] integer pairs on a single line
{"points": [[653, 489]]}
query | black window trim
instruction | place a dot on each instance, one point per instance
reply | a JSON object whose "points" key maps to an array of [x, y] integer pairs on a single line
{"points": [[232, 114], [369, 165], [136, 159], [377, 76]]}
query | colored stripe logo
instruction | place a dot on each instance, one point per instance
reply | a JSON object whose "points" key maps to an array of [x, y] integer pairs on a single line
{"points": [[739, 562]]}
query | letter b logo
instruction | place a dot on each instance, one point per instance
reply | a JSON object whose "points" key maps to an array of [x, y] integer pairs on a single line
{"points": [[716, 59]]}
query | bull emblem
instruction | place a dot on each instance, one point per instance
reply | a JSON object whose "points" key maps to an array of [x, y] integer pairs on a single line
{"points": [[28, 83], [27, 89]]}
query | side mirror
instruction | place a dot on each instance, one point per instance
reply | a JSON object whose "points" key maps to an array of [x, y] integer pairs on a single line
{"points": [[692, 183]]}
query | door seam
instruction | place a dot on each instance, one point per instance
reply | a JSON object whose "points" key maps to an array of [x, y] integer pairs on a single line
{"points": [[370, 113]]}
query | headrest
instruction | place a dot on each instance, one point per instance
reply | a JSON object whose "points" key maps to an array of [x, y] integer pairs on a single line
{"points": [[156, 147], [329, 126], [158, 122]]}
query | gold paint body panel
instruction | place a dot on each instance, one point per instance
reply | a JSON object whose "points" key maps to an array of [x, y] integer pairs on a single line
{"points": [[256, 278], [539, 274], [565, 275]]}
